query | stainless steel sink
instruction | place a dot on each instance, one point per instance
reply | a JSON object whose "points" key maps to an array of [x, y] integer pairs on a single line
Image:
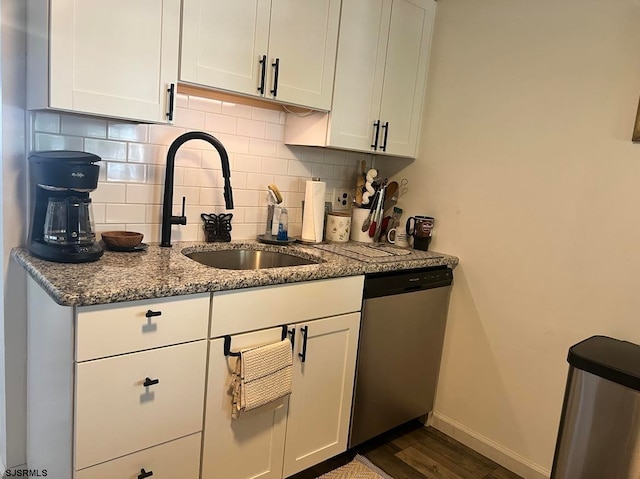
{"points": [[247, 259]]}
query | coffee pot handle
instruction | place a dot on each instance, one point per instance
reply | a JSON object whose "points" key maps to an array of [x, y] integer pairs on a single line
{"points": [[73, 218]]}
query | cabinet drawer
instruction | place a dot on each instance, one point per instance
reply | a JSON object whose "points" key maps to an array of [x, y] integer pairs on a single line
{"points": [[258, 308], [179, 458], [116, 414], [107, 330]]}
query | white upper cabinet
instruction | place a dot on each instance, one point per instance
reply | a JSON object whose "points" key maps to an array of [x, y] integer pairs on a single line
{"points": [[282, 50], [113, 58], [380, 79], [405, 75]]}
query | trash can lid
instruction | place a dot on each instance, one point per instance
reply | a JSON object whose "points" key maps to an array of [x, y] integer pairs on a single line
{"points": [[612, 359]]}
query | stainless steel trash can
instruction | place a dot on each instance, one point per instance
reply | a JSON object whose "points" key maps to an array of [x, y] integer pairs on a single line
{"points": [[599, 434]]}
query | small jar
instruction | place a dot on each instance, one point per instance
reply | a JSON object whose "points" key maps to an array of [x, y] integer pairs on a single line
{"points": [[283, 226]]}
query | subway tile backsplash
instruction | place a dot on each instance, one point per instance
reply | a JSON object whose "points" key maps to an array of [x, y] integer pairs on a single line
{"points": [[129, 194]]}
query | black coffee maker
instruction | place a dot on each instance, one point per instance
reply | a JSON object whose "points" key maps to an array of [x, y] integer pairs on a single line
{"points": [[62, 226]]}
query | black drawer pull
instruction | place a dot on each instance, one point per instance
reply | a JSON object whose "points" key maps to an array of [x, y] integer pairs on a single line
{"points": [[276, 72], [376, 125], [150, 382], [386, 135], [263, 72], [172, 92], [144, 474], [151, 314], [305, 332]]}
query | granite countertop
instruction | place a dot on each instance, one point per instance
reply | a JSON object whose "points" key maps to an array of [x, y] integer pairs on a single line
{"points": [[161, 272]]}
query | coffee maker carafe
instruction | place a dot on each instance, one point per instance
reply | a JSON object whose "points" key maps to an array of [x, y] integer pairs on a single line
{"points": [[62, 227]]}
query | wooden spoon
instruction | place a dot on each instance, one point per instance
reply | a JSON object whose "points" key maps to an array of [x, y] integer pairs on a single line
{"points": [[392, 189]]}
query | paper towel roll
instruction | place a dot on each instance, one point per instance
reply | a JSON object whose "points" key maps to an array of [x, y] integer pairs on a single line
{"points": [[313, 213]]}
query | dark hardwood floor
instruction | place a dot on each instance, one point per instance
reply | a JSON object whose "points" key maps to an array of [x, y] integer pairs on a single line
{"points": [[415, 452]]}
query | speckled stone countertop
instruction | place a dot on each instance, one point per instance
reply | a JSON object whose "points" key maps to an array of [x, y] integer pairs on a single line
{"points": [[161, 272]]}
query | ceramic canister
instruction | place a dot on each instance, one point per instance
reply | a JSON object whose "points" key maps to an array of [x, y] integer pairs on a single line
{"points": [[338, 226]]}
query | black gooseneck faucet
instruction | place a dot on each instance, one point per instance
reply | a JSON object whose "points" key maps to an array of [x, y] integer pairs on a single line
{"points": [[167, 218]]}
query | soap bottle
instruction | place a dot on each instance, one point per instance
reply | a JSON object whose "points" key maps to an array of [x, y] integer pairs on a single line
{"points": [[283, 225]]}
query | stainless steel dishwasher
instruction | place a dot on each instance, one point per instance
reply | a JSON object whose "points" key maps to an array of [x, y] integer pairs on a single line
{"points": [[401, 338]]}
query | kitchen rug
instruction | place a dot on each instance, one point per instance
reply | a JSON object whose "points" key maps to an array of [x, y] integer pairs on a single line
{"points": [[359, 468]]}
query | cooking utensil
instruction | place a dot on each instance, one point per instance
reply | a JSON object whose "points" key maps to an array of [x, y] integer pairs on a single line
{"points": [[372, 174], [367, 222], [402, 188], [374, 229], [359, 188], [385, 224], [392, 188]]}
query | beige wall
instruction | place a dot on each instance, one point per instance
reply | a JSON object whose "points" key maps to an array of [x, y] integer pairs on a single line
{"points": [[527, 164]]}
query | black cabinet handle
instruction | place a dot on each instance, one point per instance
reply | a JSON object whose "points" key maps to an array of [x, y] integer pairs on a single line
{"points": [[376, 125], [144, 474], [276, 71], [386, 134], [172, 92], [262, 62], [292, 335], [151, 314], [150, 382], [305, 331]]}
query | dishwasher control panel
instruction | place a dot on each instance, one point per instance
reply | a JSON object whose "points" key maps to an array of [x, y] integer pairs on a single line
{"points": [[398, 282]]}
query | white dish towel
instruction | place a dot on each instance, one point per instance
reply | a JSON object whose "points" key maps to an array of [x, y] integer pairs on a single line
{"points": [[261, 375]]}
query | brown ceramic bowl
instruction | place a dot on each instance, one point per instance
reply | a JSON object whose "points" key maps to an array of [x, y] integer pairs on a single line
{"points": [[122, 240]]}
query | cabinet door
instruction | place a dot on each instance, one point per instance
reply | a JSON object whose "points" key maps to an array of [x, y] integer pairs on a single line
{"points": [[364, 27], [320, 405], [248, 447], [406, 74], [222, 43], [303, 38], [115, 58]]}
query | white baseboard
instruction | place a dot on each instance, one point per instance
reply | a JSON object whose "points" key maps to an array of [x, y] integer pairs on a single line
{"points": [[485, 446]]}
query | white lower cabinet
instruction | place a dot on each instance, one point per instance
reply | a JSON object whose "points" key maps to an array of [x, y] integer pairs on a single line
{"points": [[179, 458], [312, 425], [136, 404], [152, 398]]}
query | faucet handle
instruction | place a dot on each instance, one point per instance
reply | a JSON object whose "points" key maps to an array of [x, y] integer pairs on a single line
{"points": [[182, 219]]}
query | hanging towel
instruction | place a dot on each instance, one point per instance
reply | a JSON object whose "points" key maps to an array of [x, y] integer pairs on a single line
{"points": [[261, 376]]}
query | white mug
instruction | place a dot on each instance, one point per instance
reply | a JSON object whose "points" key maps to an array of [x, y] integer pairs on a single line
{"points": [[400, 237]]}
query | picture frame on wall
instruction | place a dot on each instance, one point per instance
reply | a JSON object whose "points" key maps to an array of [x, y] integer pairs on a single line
{"points": [[636, 128]]}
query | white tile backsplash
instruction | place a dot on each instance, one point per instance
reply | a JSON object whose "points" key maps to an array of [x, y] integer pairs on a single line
{"points": [[126, 172], [127, 131], [106, 149], [46, 122], [204, 104], [252, 128], [83, 126], [129, 194], [124, 213], [43, 142]]}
